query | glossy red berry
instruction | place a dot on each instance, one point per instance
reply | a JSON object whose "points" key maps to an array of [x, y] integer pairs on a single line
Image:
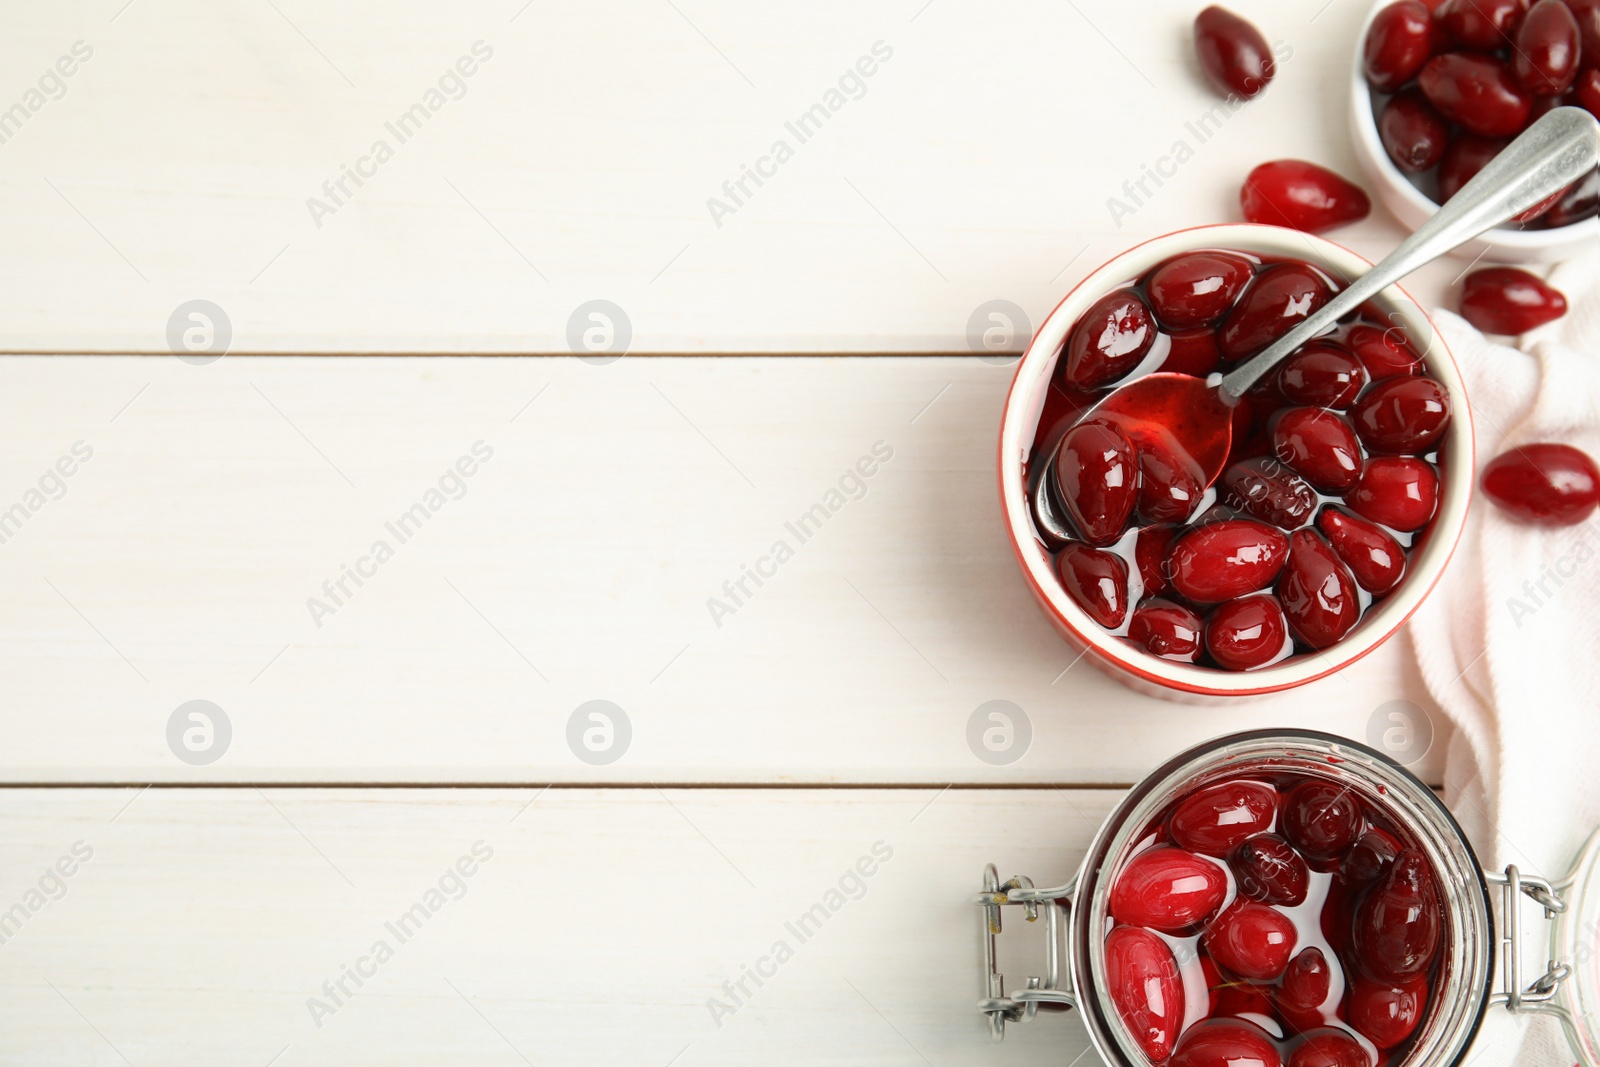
{"points": [[1329, 1047], [1322, 820], [1302, 196], [1398, 43], [1193, 352], [1399, 492], [1239, 999], [1477, 91], [1197, 289], [1317, 592], [1323, 375], [1167, 629], [1168, 889], [1218, 818], [1097, 478], [1170, 484], [1376, 560], [1337, 913], [1235, 57], [1545, 55], [1272, 305], [1467, 154], [1150, 552], [1413, 134], [1268, 870], [1544, 484], [1227, 559], [1580, 200], [1483, 25], [1507, 300], [1269, 490], [1097, 581], [1320, 445], [1247, 633], [1146, 988], [1369, 858], [1307, 981], [1404, 416], [1587, 92], [1226, 1043], [1387, 1013], [1384, 353], [1587, 14], [1111, 338], [1251, 940]]}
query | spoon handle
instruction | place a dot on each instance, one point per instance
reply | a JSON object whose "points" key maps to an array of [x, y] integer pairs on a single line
{"points": [[1554, 152]]}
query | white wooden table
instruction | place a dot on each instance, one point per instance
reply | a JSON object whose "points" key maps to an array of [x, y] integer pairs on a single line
{"points": [[434, 713]]}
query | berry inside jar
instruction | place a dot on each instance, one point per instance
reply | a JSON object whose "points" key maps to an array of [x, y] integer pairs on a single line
{"points": [[1274, 920], [1331, 482]]}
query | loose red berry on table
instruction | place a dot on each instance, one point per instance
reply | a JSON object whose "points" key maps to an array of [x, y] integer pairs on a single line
{"points": [[1302, 196], [1508, 300], [1544, 484]]}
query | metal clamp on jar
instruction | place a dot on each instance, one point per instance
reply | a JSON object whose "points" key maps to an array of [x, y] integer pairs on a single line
{"points": [[1473, 940]]}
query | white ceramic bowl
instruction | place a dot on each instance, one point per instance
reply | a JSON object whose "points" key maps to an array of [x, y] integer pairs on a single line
{"points": [[1188, 682], [1413, 207]]}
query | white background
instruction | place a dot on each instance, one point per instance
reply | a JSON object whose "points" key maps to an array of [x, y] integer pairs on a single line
{"points": [[768, 753]]}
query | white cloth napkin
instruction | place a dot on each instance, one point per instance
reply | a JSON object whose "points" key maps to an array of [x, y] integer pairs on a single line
{"points": [[1509, 643]]}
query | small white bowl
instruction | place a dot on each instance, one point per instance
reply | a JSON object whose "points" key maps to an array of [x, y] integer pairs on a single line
{"points": [[1413, 207], [1188, 682]]}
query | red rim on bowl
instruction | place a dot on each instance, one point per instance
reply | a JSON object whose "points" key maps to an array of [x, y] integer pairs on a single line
{"points": [[1024, 406]]}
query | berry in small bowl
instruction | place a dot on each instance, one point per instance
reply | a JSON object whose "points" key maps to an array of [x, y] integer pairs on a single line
{"points": [[1339, 504]]}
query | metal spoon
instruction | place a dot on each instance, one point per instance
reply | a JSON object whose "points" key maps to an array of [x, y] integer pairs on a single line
{"points": [[1197, 414]]}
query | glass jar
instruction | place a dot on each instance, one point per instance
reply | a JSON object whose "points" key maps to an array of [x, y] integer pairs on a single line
{"points": [[1482, 946]]}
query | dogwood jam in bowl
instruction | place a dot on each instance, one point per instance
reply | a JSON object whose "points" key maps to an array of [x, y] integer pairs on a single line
{"points": [[1332, 480]]}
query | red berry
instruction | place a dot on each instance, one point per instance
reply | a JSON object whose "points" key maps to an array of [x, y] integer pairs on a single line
{"points": [[1251, 940], [1329, 1047], [1403, 415], [1317, 593], [1320, 445], [1484, 25], [1267, 489], [1213, 978], [1507, 300], [1170, 483], [1226, 1043], [1143, 980], [1466, 155], [1247, 633], [1268, 870], [1150, 552], [1587, 14], [1097, 581], [1218, 818], [1168, 630], [1384, 353], [1399, 492], [1275, 303], [1384, 1013], [1322, 374], [1227, 559], [1097, 477], [1338, 911], [1302, 196], [1545, 55], [1168, 889], [1307, 981], [1193, 352], [1412, 132], [1235, 57], [1588, 91], [1242, 998], [1580, 200], [1375, 559], [1544, 484], [1369, 859], [1109, 340], [1197, 289], [1478, 91], [1398, 44], [1322, 820]]}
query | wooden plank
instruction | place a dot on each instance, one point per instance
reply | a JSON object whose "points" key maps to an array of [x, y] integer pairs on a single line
{"points": [[186, 559], [977, 162], [598, 928]]}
